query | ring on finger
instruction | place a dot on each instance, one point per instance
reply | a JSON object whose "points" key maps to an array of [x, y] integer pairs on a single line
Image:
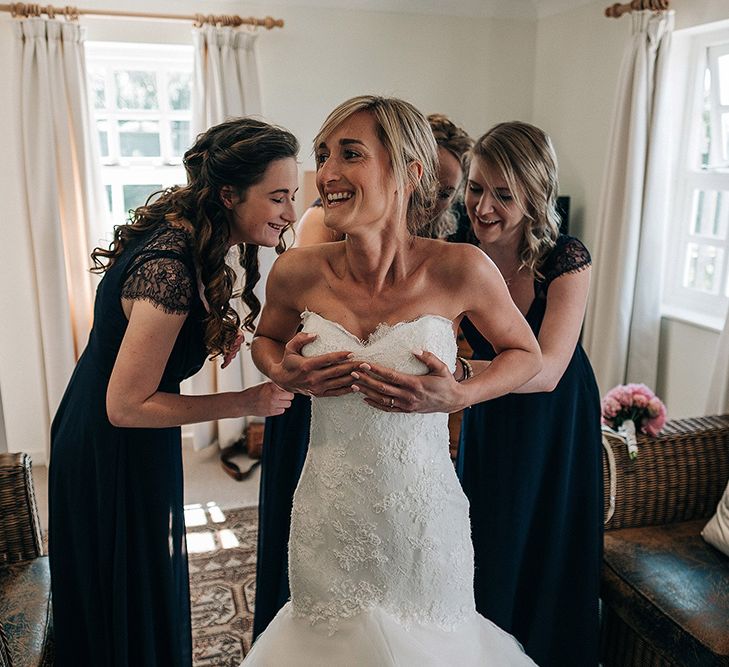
{"points": [[392, 402]]}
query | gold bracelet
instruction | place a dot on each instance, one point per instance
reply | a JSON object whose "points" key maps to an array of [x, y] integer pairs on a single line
{"points": [[467, 369]]}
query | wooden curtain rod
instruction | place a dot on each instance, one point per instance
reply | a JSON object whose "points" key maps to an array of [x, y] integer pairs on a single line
{"points": [[617, 10], [22, 10]]}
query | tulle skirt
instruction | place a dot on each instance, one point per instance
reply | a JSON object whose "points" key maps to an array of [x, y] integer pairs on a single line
{"points": [[375, 638]]}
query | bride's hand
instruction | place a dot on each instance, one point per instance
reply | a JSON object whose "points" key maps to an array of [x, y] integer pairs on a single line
{"points": [[323, 375], [391, 391]]}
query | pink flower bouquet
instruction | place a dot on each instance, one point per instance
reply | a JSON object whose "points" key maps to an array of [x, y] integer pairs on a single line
{"points": [[628, 407]]}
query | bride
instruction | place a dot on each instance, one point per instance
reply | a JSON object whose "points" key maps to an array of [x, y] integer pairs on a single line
{"points": [[380, 555]]}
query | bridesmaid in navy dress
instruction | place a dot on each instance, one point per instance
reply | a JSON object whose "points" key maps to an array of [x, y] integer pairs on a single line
{"points": [[118, 560], [286, 438], [530, 461]]}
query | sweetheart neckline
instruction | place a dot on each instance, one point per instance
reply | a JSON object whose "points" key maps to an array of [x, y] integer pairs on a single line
{"points": [[373, 336]]}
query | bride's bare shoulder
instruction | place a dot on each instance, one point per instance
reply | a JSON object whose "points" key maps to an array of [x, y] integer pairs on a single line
{"points": [[299, 264], [457, 260]]}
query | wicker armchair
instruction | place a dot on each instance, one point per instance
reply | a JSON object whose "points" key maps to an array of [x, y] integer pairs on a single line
{"points": [[25, 613], [665, 592]]}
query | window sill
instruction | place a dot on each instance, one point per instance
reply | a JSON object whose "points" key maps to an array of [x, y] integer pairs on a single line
{"points": [[692, 318]]}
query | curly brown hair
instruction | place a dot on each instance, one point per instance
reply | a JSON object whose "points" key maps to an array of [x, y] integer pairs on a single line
{"points": [[234, 153]]}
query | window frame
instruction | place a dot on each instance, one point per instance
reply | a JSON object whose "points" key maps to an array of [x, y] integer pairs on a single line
{"points": [[678, 301]]}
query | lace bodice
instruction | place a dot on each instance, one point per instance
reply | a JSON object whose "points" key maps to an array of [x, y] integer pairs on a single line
{"points": [[379, 518]]}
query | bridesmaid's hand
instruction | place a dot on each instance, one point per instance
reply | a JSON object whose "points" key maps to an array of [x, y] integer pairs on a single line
{"points": [[262, 400], [323, 375], [391, 391]]}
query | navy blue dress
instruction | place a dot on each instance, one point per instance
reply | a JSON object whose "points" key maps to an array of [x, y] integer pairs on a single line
{"points": [[530, 465], [117, 551], [285, 444]]}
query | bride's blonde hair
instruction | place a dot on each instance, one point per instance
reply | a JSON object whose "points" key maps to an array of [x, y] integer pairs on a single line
{"points": [[407, 138]]}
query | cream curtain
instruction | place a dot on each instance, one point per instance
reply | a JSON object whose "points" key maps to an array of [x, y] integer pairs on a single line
{"points": [[623, 322], [718, 401], [225, 85], [60, 181]]}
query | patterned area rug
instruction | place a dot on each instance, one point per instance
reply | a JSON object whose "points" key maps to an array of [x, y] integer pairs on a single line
{"points": [[221, 548]]}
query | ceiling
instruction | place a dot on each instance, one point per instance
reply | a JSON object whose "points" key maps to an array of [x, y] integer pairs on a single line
{"points": [[524, 9]]}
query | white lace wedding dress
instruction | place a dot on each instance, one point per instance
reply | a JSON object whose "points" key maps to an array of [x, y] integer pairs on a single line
{"points": [[380, 555]]}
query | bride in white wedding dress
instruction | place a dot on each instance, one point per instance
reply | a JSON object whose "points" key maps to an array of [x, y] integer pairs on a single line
{"points": [[380, 555]]}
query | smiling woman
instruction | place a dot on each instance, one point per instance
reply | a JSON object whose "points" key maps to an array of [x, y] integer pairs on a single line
{"points": [[530, 461], [267, 209], [286, 438], [117, 549], [380, 553]]}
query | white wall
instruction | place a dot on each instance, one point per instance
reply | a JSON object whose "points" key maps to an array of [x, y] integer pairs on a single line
{"points": [[3, 438], [574, 93]]}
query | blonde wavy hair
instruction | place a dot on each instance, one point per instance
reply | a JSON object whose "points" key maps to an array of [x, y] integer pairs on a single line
{"points": [[524, 156], [407, 138]]}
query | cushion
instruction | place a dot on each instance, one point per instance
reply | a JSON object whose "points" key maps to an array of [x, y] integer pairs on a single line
{"points": [[25, 594], [672, 588], [716, 532]]}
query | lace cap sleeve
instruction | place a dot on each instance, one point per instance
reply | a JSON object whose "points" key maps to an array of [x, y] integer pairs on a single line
{"points": [[569, 256], [160, 273], [164, 281]]}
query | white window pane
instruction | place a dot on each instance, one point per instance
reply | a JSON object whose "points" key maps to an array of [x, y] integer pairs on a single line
{"points": [[180, 136], [97, 83], [108, 196], [139, 138], [705, 120], [136, 89], [723, 66], [725, 137], [710, 213], [102, 127], [702, 270], [137, 195], [179, 89]]}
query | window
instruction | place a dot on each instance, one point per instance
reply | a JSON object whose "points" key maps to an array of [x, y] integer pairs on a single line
{"points": [[141, 94], [697, 271]]}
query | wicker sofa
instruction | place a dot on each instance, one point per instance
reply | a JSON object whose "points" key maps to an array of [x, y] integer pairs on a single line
{"points": [[665, 592], [25, 614]]}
